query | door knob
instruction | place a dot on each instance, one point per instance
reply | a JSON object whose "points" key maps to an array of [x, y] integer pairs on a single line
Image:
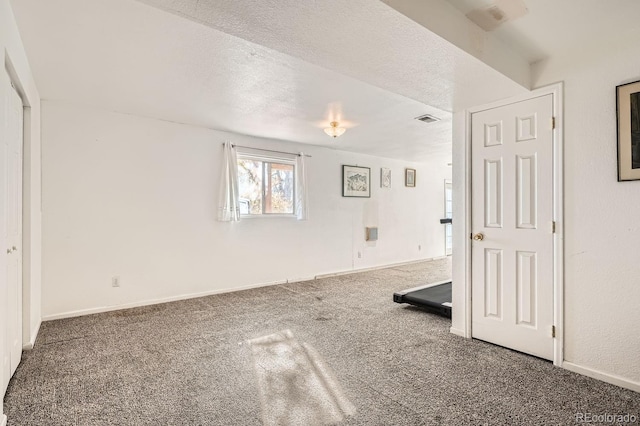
{"points": [[478, 237], [9, 251], [14, 248]]}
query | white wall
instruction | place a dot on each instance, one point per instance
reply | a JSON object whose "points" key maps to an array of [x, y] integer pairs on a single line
{"points": [[602, 230], [137, 198], [14, 59]]}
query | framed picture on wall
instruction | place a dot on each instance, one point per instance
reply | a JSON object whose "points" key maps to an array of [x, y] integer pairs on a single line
{"points": [[356, 181], [385, 178], [410, 177], [628, 114]]}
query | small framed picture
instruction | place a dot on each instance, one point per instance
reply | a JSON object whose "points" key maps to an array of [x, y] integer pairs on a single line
{"points": [[410, 177], [628, 113], [356, 181], [385, 178]]}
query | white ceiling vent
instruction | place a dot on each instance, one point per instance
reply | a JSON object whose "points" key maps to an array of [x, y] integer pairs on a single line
{"points": [[428, 118]]}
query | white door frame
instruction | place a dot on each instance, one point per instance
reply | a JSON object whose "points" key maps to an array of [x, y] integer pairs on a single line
{"points": [[30, 143], [28, 331], [556, 90]]}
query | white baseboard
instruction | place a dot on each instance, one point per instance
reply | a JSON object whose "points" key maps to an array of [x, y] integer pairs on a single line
{"points": [[101, 309], [375, 268], [457, 332], [605, 377], [299, 280], [32, 339], [3, 420]]}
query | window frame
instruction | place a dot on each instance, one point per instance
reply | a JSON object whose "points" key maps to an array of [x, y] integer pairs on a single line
{"points": [[271, 159], [448, 229]]}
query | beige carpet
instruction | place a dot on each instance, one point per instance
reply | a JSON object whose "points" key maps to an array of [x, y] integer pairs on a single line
{"points": [[190, 363]]}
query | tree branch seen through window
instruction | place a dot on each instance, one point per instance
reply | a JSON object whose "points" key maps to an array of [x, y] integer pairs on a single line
{"points": [[266, 187]]}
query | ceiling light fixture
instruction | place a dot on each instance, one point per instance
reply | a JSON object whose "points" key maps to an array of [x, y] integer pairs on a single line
{"points": [[334, 131]]}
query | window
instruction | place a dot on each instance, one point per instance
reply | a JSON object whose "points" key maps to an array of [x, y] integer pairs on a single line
{"points": [[266, 185], [448, 213]]}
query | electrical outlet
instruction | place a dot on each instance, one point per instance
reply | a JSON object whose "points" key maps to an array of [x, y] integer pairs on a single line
{"points": [[115, 282], [359, 255]]}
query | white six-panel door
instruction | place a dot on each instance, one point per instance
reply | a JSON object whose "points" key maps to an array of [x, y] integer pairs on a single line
{"points": [[13, 229], [512, 212]]}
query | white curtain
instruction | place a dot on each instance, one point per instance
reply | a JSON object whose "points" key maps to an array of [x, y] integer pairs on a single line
{"points": [[302, 203], [229, 205]]}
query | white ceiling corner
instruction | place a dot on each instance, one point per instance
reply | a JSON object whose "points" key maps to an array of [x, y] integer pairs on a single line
{"points": [[553, 28]]}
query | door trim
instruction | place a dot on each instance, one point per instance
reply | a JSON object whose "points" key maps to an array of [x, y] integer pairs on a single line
{"points": [[30, 274], [557, 92]]}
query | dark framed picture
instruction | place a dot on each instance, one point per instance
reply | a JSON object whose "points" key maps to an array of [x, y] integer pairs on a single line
{"points": [[628, 114], [356, 181], [410, 177]]}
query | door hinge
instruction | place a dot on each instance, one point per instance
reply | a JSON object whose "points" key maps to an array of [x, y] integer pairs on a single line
{"points": [[553, 331], [553, 226], [553, 123]]}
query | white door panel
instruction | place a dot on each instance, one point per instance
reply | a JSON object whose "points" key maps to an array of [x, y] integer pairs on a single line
{"points": [[512, 210]]}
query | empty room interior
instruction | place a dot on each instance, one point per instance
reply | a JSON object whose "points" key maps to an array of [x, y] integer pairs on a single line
{"points": [[371, 212]]}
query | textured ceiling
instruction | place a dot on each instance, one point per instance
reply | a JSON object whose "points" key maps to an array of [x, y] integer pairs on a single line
{"points": [[278, 69], [367, 40], [283, 69]]}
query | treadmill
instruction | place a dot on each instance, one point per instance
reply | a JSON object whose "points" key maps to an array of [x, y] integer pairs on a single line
{"points": [[435, 297]]}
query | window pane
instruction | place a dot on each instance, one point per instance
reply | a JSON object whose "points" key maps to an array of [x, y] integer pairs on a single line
{"points": [[448, 212], [279, 188], [250, 186]]}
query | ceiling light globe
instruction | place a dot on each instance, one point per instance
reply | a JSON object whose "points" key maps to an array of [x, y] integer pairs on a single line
{"points": [[334, 131]]}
